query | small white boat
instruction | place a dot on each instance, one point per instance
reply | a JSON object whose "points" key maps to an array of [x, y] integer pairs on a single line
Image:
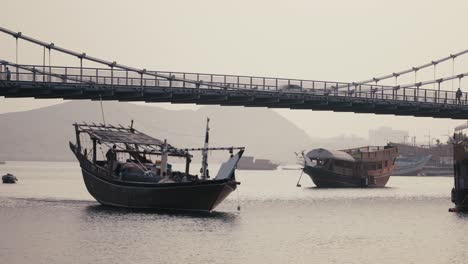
{"points": [[9, 178]]}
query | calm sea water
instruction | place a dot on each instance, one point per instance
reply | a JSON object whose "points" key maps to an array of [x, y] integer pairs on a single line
{"points": [[48, 217]]}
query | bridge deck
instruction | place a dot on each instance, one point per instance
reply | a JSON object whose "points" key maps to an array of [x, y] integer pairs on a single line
{"points": [[40, 81]]}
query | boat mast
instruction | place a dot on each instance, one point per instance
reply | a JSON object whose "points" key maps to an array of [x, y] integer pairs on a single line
{"points": [[164, 160], [204, 169], [78, 142]]}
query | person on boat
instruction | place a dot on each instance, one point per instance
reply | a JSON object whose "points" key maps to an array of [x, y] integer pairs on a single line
{"points": [[458, 95], [111, 156]]}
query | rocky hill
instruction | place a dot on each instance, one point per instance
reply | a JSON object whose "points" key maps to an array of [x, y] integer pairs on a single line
{"points": [[43, 134]]}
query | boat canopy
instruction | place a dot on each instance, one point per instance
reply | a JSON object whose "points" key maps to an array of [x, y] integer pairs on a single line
{"points": [[128, 136], [322, 154], [461, 127]]}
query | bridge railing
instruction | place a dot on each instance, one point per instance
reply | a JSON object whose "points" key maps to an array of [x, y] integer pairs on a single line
{"points": [[108, 77]]}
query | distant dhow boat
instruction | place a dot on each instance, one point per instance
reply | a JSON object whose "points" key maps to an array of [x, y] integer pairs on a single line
{"points": [[410, 165], [129, 177], [358, 167], [249, 163]]}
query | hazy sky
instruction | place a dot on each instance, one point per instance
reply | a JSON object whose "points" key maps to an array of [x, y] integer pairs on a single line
{"points": [[321, 40]]}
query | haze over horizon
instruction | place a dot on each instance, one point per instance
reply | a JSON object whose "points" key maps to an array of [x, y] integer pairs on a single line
{"points": [[333, 40]]}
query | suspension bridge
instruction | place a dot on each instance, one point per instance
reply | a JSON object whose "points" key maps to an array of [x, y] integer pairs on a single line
{"points": [[114, 81]]}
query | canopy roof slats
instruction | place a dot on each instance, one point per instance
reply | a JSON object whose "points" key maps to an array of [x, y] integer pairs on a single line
{"points": [[129, 136], [213, 148], [125, 137], [172, 154], [136, 141]]}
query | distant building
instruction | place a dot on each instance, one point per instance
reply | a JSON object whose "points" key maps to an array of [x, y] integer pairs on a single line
{"points": [[383, 135]]}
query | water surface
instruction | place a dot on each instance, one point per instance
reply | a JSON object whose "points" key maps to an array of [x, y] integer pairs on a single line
{"points": [[48, 217]]}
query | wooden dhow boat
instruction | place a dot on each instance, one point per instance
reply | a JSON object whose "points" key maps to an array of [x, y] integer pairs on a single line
{"points": [[459, 195], [130, 177], [411, 165], [369, 166]]}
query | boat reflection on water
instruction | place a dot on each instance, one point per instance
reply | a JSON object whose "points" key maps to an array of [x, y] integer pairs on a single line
{"points": [[97, 211]]}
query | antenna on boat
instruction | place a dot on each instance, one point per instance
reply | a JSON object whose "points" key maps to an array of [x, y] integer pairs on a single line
{"points": [[102, 109], [204, 169], [164, 160]]}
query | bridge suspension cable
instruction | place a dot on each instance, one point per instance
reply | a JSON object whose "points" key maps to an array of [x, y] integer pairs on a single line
{"points": [[81, 56], [416, 69], [440, 80]]}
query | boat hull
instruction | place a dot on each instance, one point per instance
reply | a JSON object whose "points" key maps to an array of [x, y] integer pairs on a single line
{"points": [[329, 179], [9, 179], [172, 196], [107, 189]]}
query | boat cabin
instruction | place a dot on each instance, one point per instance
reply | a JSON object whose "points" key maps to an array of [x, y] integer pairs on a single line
{"points": [[355, 161]]}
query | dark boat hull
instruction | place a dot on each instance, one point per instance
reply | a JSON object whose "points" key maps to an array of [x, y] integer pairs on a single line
{"points": [[9, 179], [192, 196], [171, 196], [328, 179], [459, 194]]}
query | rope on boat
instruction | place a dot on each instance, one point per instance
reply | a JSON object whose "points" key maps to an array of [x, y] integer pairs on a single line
{"points": [[298, 184], [238, 200]]}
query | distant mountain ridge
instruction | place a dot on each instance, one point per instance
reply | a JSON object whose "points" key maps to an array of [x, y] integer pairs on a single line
{"points": [[43, 134]]}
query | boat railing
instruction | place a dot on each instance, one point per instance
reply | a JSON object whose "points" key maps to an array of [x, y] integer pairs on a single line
{"points": [[143, 80]]}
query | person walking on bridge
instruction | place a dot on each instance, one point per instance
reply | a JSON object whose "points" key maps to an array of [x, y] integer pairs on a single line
{"points": [[458, 95], [8, 74]]}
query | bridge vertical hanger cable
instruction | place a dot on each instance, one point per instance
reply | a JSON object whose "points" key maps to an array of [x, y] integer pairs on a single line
{"points": [[453, 70], [415, 75], [81, 69], [16, 59], [438, 92], [415, 82], [43, 65], [50, 69]]}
